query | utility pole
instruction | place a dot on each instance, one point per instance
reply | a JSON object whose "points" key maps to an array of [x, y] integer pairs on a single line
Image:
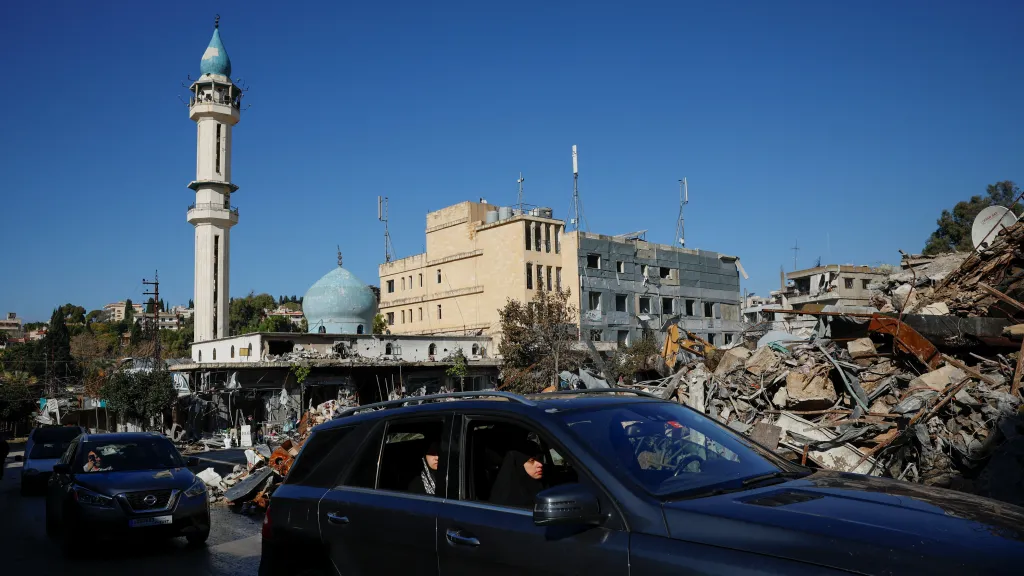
{"points": [[795, 249], [684, 199], [156, 315]]}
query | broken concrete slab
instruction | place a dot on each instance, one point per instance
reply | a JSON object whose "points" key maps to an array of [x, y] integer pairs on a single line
{"points": [[935, 309], [938, 379], [762, 361], [732, 360], [861, 347], [811, 390], [1015, 331], [842, 458]]}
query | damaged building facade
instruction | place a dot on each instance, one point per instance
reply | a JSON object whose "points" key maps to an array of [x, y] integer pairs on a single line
{"points": [[479, 255]]}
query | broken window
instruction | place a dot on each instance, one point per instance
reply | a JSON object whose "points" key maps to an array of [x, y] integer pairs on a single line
{"points": [[864, 284], [713, 339], [547, 237], [432, 349], [595, 335], [728, 338], [645, 305], [594, 261], [558, 278], [529, 276], [594, 301], [558, 242], [848, 282], [549, 278], [689, 307], [620, 267], [622, 338], [620, 302], [528, 238], [359, 329], [476, 350], [664, 272], [391, 318], [643, 270], [387, 349], [391, 286], [438, 311], [667, 306], [438, 275], [709, 309]]}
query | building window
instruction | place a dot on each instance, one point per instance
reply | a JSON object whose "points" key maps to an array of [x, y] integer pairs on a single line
{"points": [[250, 350], [549, 278], [438, 311], [709, 309], [667, 306], [558, 278], [214, 353], [232, 351], [540, 277], [529, 242], [622, 338], [476, 350], [689, 307], [620, 267], [403, 316], [864, 284], [438, 275], [410, 281], [432, 349], [594, 301], [645, 305], [536, 237], [410, 315], [403, 282], [421, 314], [558, 241], [529, 276], [848, 282], [388, 350], [713, 339], [594, 261], [323, 329], [595, 335], [728, 338], [620, 302], [547, 237], [200, 355], [391, 318], [643, 270], [218, 149], [664, 272], [391, 286], [359, 329], [421, 280]]}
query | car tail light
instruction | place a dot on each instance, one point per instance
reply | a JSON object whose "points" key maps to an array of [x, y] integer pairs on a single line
{"points": [[266, 524]]}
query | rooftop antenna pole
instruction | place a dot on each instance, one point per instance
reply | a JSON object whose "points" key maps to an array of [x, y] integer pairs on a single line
{"points": [[520, 182], [382, 215], [684, 199], [575, 190], [795, 249]]}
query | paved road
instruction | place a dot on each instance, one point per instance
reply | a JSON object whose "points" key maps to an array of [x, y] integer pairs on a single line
{"points": [[232, 550]]}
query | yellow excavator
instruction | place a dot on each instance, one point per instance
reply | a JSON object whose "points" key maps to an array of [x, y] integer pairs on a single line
{"points": [[677, 339]]}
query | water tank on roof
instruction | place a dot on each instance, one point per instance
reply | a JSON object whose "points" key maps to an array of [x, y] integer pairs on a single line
{"points": [[545, 212], [492, 216], [504, 213]]}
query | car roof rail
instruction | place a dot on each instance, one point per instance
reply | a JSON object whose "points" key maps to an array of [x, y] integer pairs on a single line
{"points": [[599, 391], [434, 398]]}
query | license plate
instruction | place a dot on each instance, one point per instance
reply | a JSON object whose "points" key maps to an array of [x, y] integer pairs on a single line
{"points": [[151, 521]]}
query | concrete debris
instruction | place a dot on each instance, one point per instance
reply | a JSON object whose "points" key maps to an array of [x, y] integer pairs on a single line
{"points": [[732, 360], [938, 379], [762, 361]]}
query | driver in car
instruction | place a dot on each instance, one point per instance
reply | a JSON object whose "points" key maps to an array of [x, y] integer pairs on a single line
{"points": [[94, 463]]}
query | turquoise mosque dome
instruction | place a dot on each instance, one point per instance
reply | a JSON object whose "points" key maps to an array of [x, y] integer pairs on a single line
{"points": [[215, 59], [339, 303]]}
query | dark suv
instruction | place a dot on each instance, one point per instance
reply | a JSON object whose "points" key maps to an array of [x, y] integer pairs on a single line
{"points": [[612, 483]]}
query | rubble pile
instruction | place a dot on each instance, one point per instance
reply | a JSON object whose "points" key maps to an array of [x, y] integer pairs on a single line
{"points": [[860, 406]]}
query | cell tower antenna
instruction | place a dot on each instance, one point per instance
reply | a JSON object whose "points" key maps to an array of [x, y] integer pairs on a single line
{"points": [[520, 182], [684, 199], [795, 249], [382, 215], [577, 206]]}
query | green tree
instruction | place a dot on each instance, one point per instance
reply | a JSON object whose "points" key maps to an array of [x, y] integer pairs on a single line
{"points": [[17, 399], [57, 347], [380, 324], [178, 343], [191, 305], [537, 340], [459, 368], [129, 312], [293, 306], [276, 324], [139, 395], [247, 313], [954, 228], [94, 316]]}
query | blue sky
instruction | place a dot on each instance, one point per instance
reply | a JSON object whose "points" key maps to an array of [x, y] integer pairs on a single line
{"points": [[846, 126]]}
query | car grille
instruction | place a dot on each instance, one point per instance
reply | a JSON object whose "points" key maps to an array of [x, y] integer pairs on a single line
{"points": [[138, 500]]}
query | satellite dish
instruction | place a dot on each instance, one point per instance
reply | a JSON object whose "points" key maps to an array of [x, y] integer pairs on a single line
{"points": [[989, 223]]}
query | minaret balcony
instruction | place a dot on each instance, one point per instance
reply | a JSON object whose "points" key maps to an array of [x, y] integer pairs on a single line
{"points": [[226, 111], [212, 212]]}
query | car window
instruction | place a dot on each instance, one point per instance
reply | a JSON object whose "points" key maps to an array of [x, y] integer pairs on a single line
{"points": [[56, 434], [668, 449], [125, 455], [322, 458], [507, 464], [69, 454], [410, 458], [48, 450]]}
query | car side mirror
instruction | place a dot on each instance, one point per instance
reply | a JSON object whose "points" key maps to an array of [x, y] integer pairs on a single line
{"points": [[192, 461], [567, 504], [19, 458], [62, 469]]}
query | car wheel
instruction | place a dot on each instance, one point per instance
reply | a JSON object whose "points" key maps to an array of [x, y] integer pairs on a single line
{"points": [[197, 538]]}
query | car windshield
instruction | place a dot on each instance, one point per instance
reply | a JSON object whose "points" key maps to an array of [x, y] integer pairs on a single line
{"points": [[55, 434], [670, 450], [48, 450], [121, 456]]}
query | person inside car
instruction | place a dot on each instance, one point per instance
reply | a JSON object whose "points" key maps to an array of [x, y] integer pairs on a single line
{"points": [[425, 483], [519, 478], [94, 463]]}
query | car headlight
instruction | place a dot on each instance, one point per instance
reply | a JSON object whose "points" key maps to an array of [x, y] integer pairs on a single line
{"points": [[31, 472], [197, 488], [89, 498]]}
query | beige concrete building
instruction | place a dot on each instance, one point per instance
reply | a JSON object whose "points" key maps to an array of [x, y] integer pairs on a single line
{"points": [[116, 311], [835, 284], [466, 274]]}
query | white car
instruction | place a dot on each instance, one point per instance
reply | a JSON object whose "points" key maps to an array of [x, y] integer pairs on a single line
{"points": [[44, 448]]}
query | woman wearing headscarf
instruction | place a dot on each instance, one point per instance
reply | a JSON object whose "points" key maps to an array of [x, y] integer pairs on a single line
{"points": [[519, 479], [426, 482]]}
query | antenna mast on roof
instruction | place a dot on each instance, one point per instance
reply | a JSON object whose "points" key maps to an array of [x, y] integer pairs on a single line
{"points": [[520, 182], [577, 208], [795, 249], [684, 199], [382, 215]]}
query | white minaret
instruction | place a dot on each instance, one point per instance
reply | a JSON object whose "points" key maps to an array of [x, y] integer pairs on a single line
{"points": [[214, 106]]}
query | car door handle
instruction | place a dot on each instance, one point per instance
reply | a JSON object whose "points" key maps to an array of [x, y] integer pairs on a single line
{"points": [[335, 518], [457, 537]]}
